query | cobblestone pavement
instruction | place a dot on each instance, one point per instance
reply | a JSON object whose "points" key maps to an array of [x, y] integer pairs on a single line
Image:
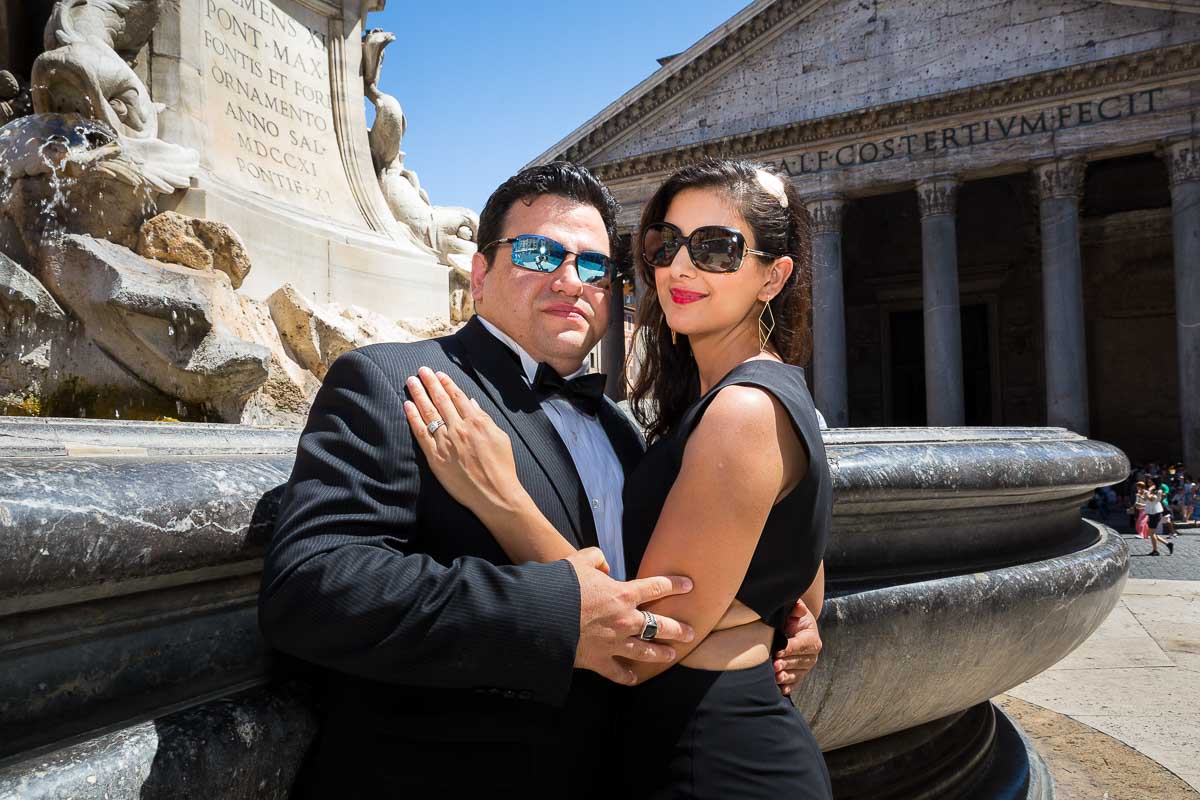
{"points": [[1183, 566]]}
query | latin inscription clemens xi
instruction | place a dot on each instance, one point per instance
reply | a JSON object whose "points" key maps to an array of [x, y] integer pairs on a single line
{"points": [[269, 101]]}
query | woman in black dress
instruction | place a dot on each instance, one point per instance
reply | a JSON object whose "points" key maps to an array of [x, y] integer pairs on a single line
{"points": [[733, 492]]}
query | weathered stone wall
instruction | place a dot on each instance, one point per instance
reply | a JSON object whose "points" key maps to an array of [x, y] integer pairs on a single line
{"points": [[849, 55]]}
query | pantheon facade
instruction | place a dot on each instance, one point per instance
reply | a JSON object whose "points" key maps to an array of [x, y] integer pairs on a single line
{"points": [[1005, 197]]}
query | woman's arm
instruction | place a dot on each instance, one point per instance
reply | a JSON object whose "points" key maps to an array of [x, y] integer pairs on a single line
{"points": [[473, 460], [476, 467], [739, 460], [524, 532], [814, 595]]}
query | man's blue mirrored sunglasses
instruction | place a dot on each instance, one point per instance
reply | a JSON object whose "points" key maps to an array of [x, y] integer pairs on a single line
{"points": [[543, 254]]}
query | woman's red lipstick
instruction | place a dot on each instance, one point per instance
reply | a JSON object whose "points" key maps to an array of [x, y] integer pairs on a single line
{"points": [[683, 296]]}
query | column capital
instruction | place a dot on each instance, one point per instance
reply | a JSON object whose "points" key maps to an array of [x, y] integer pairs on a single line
{"points": [[937, 195], [826, 213], [1183, 161], [1060, 178]]}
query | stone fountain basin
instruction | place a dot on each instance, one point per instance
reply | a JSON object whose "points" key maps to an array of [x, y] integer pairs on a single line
{"points": [[899, 656], [913, 503], [958, 568]]}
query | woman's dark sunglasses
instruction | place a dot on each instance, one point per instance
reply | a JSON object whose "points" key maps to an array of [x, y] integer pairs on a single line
{"points": [[712, 248], [543, 254]]}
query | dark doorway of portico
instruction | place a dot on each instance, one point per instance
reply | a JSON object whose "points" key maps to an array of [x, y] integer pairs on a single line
{"points": [[907, 363], [907, 336]]}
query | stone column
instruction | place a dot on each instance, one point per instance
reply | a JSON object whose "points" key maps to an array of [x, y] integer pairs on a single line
{"points": [[829, 312], [1060, 184], [939, 285], [10, 13], [1183, 167]]}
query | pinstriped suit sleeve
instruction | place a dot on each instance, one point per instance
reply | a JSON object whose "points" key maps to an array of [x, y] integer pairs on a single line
{"points": [[344, 586]]}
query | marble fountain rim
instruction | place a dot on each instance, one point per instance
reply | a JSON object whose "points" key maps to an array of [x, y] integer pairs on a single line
{"points": [[32, 437], [29, 426], [73, 447], [950, 434], [936, 474], [936, 471], [868, 472], [63, 550], [183, 533]]}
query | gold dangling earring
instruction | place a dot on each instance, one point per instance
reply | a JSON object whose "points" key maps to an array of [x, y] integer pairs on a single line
{"points": [[674, 338], [764, 329]]}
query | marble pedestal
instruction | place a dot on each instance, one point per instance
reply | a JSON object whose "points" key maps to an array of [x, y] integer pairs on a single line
{"points": [[270, 94]]}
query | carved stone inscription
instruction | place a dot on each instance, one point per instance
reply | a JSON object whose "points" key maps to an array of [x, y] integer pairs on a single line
{"points": [[991, 129], [269, 100]]}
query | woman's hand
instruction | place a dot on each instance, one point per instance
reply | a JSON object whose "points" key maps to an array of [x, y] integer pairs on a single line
{"points": [[470, 455], [799, 656]]}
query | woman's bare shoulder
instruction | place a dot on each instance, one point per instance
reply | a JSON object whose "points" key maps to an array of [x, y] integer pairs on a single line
{"points": [[742, 423], [742, 409]]}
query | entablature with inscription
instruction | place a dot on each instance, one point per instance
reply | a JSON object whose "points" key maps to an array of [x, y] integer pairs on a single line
{"points": [[782, 62], [1108, 107]]}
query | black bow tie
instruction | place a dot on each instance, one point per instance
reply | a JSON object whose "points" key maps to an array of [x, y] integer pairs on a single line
{"points": [[585, 392]]}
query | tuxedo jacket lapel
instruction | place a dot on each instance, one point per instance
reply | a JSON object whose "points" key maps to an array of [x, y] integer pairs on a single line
{"points": [[501, 378], [629, 446]]}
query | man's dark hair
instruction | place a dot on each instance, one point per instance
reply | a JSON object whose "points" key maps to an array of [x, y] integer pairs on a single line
{"points": [[562, 178]]}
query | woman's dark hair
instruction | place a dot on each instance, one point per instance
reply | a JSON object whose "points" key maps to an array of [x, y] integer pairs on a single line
{"points": [[561, 178], [667, 381]]}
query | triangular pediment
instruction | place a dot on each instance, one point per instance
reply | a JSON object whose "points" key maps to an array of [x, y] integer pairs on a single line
{"points": [[782, 62]]}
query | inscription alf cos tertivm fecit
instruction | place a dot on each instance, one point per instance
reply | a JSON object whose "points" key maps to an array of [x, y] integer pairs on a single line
{"points": [[269, 100], [969, 134]]}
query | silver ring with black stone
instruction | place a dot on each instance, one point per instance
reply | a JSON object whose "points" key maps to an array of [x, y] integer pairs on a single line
{"points": [[649, 628]]}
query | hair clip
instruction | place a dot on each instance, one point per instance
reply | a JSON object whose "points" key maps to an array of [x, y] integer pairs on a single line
{"points": [[772, 185]]}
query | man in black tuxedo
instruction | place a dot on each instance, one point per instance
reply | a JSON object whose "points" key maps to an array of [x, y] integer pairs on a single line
{"points": [[449, 669]]}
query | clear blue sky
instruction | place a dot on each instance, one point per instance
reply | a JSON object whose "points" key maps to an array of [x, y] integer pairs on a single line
{"points": [[465, 74]]}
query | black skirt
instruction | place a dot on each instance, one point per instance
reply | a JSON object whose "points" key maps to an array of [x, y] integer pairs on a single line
{"points": [[691, 733]]}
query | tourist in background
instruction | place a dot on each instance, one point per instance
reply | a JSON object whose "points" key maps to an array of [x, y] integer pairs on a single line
{"points": [[1166, 524], [1137, 511], [1152, 497], [1187, 499]]}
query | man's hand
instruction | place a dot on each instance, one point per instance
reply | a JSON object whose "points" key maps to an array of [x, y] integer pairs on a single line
{"points": [[795, 660], [610, 622]]}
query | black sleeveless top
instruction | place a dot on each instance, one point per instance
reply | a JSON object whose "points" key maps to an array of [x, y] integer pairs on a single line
{"points": [[794, 536]]}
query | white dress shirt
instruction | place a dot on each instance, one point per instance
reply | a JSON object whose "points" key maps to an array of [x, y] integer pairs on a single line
{"points": [[595, 460]]}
